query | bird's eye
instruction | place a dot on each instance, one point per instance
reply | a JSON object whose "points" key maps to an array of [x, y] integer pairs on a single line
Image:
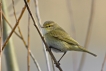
{"points": [[49, 26]]}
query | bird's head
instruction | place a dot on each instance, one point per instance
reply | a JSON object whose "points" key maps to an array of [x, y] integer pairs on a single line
{"points": [[49, 26]]}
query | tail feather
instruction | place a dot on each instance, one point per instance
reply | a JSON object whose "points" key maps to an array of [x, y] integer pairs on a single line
{"points": [[84, 50]]}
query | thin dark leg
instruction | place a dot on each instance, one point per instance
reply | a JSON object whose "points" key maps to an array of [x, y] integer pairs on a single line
{"points": [[61, 57]]}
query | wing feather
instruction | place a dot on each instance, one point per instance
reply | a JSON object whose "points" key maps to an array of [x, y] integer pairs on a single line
{"points": [[60, 34]]}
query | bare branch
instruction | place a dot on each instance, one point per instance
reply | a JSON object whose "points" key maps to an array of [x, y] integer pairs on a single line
{"points": [[57, 64], [10, 25], [1, 32], [103, 62], [28, 40], [6, 41], [39, 25], [22, 38], [87, 36]]}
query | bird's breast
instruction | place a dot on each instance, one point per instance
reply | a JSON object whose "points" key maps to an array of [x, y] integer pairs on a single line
{"points": [[56, 43]]}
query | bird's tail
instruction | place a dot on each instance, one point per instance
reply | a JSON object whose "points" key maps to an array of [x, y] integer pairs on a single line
{"points": [[84, 50]]}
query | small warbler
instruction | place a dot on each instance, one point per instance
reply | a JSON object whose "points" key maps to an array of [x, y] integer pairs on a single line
{"points": [[59, 40]]}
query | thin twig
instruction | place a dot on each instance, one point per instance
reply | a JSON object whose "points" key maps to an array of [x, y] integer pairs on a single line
{"points": [[103, 62], [31, 54], [10, 25], [16, 18], [48, 49], [14, 10], [46, 58], [28, 56], [22, 38], [35, 61], [6, 41], [28, 51], [39, 25], [16, 21], [73, 31], [1, 32], [15, 3], [37, 12], [11, 60], [87, 36], [52, 64], [71, 19]]}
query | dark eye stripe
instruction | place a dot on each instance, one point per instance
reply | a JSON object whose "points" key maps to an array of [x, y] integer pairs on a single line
{"points": [[48, 25]]}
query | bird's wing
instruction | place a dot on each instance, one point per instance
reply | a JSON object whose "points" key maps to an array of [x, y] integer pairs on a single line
{"points": [[63, 36]]}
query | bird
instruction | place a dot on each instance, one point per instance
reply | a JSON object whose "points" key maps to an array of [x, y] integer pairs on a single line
{"points": [[59, 40]]}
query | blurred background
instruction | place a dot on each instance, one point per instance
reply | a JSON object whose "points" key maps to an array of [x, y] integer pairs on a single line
{"points": [[72, 15]]}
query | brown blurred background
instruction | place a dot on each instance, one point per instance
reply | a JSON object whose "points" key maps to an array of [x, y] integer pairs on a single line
{"points": [[59, 11]]}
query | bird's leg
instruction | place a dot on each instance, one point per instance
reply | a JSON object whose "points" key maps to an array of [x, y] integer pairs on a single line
{"points": [[61, 57]]}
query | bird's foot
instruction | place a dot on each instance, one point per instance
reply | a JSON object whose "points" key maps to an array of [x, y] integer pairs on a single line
{"points": [[57, 64]]}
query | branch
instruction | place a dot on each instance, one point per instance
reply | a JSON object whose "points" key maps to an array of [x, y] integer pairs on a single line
{"points": [[103, 62], [22, 38], [6, 41], [10, 25], [48, 49], [28, 40], [39, 25], [88, 35], [73, 32], [1, 32]]}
